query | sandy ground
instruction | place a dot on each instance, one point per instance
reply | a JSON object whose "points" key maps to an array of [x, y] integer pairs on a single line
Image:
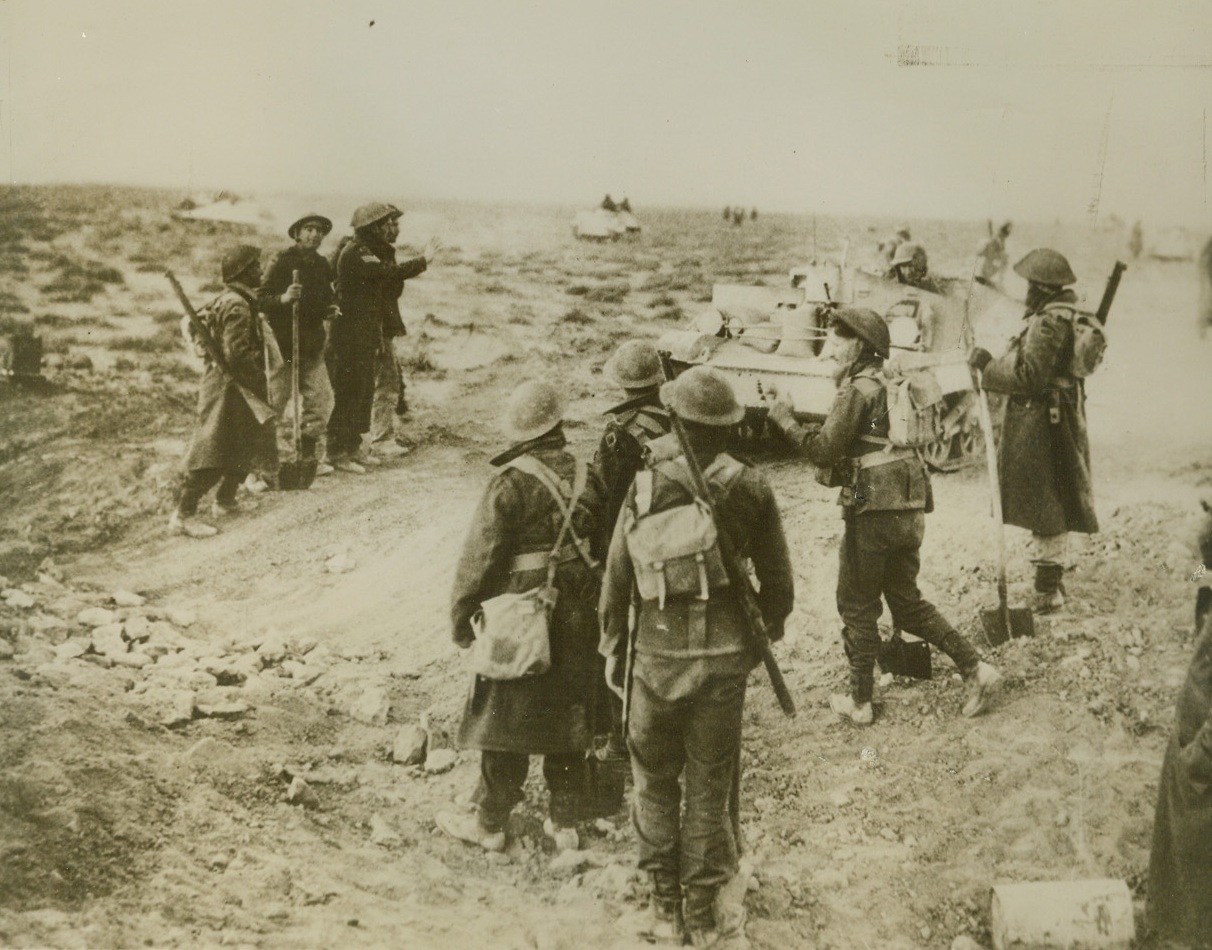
{"points": [[124, 825]]}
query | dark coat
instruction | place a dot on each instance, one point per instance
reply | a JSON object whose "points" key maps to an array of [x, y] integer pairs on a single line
{"points": [[316, 277], [228, 436], [552, 712], [1180, 867], [620, 454], [1044, 467], [369, 284]]}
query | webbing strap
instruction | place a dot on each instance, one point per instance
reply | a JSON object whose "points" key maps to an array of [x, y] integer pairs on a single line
{"points": [[554, 485]]}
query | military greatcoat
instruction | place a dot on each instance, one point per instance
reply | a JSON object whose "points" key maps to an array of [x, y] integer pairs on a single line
{"points": [[1180, 867], [228, 436], [551, 712], [1044, 456]]}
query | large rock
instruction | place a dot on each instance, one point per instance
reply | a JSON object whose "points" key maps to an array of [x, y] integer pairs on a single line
{"points": [[229, 710], [180, 616], [108, 641], [440, 760], [73, 648], [126, 598], [272, 649], [136, 629], [171, 707], [409, 747], [49, 627], [18, 598], [371, 707], [96, 616]]}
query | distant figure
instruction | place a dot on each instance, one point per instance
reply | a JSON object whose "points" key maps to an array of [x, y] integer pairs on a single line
{"points": [[910, 266], [738, 217], [625, 205], [1136, 241], [727, 213], [992, 254], [608, 204], [888, 246], [753, 215], [1205, 289]]}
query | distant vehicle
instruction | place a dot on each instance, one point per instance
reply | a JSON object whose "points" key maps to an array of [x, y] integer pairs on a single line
{"points": [[760, 335], [1172, 244], [600, 224], [224, 207]]}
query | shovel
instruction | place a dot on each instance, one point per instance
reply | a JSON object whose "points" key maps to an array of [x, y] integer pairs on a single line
{"points": [[298, 473], [1005, 621]]}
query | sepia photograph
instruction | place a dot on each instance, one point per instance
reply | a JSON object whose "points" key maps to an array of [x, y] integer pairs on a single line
{"points": [[605, 475]]}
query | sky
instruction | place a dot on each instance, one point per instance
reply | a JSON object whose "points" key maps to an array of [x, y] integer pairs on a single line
{"points": [[1046, 109]]}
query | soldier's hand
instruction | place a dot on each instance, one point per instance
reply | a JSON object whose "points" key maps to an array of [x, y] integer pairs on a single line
{"points": [[432, 246], [978, 359], [614, 676], [293, 293], [782, 409]]}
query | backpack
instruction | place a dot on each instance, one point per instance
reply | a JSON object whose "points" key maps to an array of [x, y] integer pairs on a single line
{"points": [[1089, 345], [915, 408], [676, 551], [334, 259]]}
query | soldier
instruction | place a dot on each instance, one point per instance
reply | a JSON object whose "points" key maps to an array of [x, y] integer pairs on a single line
{"points": [[313, 296], [507, 549], [636, 367], [689, 663], [888, 247], [992, 256], [885, 497], [368, 283], [1044, 452], [910, 266], [1180, 865], [228, 436]]}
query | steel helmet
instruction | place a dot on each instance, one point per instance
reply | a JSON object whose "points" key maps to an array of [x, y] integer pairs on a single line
{"points": [[902, 230], [909, 253], [237, 260], [533, 408], [636, 365], [703, 395], [868, 326], [373, 213], [323, 222], [1046, 266]]}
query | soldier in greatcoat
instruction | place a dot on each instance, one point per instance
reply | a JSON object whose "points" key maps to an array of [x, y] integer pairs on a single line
{"points": [[227, 441], [369, 282], [506, 550], [636, 367], [885, 496], [1044, 453], [690, 661], [1180, 866]]}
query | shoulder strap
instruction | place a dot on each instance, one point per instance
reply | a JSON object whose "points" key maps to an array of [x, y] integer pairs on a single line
{"points": [[556, 487], [643, 492], [724, 467]]}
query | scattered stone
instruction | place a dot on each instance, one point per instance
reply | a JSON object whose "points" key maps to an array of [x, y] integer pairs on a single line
{"points": [[341, 563], [96, 616], [49, 627], [964, 942], [409, 747], [19, 599], [172, 707], [214, 755], [301, 673], [126, 598], [441, 760], [51, 569], [831, 879], [136, 629], [569, 862], [371, 707], [184, 677], [233, 710], [381, 833], [301, 646], [6, 649], [107, 640], [272, 649], [300, 793], [71, 649], [181, 617], [134, 660]]}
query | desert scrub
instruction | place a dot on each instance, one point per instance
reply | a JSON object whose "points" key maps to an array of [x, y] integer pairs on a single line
{"points": [[576, 315], [11, 303], [663, 300], [612, 292], [58, 321], [163, 340], [672, 314]]}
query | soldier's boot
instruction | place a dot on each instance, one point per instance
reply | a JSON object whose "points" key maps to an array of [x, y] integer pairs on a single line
{"points": [[665, 925], [1049, 587], [307, 446], [702, 929], [730, 914], [981, 679]]}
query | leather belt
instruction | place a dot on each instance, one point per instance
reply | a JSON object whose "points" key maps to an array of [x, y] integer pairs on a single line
{"points": [[537, 560]]}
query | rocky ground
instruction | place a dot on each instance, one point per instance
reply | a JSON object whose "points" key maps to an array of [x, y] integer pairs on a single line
{"points": [[243, 741]]}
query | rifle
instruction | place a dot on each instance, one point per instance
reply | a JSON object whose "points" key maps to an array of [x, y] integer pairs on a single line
{"points": [[1104, 307], [737, 576], [633, 622], [260, 408]]}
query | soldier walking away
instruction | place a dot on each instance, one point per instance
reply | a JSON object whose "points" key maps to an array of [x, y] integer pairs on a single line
{"points": [[313, 296], [228, 436], [992, 259], [1044, 452], [689, 657], [508, 549], [368, 284], [885, 495], [1179, 903], [636, 367]]}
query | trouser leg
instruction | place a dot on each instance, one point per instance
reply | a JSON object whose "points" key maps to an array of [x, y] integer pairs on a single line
{"points": [[564, 773], [709, 847], [315, 392], [911, 612], [228, 485], [353, 391], [860, 581], [502, 775], [656, 742], [197, 483], [388, 386]]}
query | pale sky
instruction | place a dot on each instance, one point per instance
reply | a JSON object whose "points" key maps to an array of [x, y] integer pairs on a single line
{"points": [[795, 106]]}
